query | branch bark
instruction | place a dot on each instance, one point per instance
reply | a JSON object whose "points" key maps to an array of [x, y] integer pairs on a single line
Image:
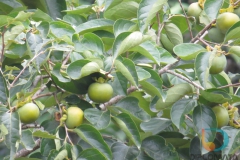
{"points": [[203, 31], [16, 78], [189, 27], [185, 79], [117, 98], [24, 152]]}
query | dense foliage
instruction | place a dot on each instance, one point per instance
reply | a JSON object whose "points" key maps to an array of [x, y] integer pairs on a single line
{"points": [[155, 73]]}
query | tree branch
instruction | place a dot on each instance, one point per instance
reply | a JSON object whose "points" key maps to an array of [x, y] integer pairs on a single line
{"points": [[185, 79], [39, 91], [236, 3], [230, 85], [36, 80], [66, 59], [16, 78], [25, 152], [167, 67], [160, 27], [117, 98], [26, 126], [203, 31], [191, 34], [3, 45]]}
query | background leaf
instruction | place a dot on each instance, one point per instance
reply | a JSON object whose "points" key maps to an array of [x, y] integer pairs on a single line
{"points": [[100, 119], [94, 138]]}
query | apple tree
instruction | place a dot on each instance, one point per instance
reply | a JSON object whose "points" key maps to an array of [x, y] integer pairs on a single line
{"points": [[119, 79]]}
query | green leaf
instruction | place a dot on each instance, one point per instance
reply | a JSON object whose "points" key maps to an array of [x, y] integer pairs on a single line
{"points": [[142, 74], [90, 42], [155, 125], [202, 66], [55, 8], [233, 32], [212, 7], [74, 19], [27, 139], [166, 57], [153, 85], [94, 25], [61, 155], [130, 105], [82, 68], [143, 156], [215, 95], [90, 154], [46, 146], [156, 148], [43, 134], [5, 8], [4, 93], [173, 95], [125, 41], [12, 123], [125, 10], [62, 82], [173, 33], [234, 50], [60, 29], [121, 151], [180, 21], [181, 108], [4, 20], [125, 71], [127, 125], [147, 11], [234, 140], [10, 35], [41, 16], [204, 118], [94, 138], [100, 119], [122, 25], [83, 9], [119, 84], [188, 51], [149, 50], [174, 138], [219, 80]]}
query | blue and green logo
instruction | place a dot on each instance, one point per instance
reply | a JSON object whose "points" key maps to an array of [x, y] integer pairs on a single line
{"points": [[210, 146]]}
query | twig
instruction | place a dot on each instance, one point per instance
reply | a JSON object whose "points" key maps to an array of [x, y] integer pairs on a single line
{"points": [[36, 80], [201, 40], [187, 117], [191, 34], [230, 85], [16, 78], [66, 59], [236, 3], [203, 31], [42, 95], [202, 36], [3, 45], [185, 79], [26, 126], [39, 91], [117, 98], [112, 101], [160, 27], [25, 152], [67, 135], [167, 67]]}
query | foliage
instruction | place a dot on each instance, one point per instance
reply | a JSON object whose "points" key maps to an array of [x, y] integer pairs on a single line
{"points": [[155, 57]]}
